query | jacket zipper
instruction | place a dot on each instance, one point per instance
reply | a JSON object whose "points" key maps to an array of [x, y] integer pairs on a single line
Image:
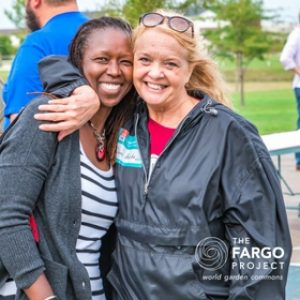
{"points": [[207, 109], [146, 185], [144, 168]]}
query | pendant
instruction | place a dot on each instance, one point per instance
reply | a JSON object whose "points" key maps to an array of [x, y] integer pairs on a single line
{"points": [[100, 152]]}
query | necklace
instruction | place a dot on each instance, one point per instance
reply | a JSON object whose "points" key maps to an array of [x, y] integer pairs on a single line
{"points": [[100, 149]]}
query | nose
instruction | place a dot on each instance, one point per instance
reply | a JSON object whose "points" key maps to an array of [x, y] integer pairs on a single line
{"points": [[156, 71], [113, 68]]}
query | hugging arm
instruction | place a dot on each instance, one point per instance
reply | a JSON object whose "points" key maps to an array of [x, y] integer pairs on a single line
{"points": [[62, 79], [26, 155]]}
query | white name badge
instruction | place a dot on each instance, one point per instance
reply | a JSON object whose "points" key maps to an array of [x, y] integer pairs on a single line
{"points": [[128, 154]]}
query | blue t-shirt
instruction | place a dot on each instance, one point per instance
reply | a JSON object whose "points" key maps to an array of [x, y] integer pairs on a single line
{"points": [[53, 38]]}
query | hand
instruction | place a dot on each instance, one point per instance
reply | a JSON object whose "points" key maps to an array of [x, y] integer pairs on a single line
{"points": [[69, 114], [297, 70], [40, 289], [12, 117]]}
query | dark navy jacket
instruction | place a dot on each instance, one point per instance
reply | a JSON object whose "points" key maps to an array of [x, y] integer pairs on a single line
{"points": [[215, 179]]}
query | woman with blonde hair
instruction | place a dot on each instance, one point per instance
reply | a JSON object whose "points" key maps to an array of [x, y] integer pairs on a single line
{"points": [[200, 201]]}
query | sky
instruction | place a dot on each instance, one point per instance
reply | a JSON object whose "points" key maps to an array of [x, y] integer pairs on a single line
{"points": [[288, 9]]}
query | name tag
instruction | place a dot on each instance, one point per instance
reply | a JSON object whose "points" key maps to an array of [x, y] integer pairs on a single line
{"points": [[128, 154]]}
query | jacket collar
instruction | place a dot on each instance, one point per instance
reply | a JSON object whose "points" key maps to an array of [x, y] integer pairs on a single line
{"points": [[206, 105]]}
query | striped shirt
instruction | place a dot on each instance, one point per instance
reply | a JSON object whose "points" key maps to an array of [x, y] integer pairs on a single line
{"points": [[99, 208], [8, 289]]}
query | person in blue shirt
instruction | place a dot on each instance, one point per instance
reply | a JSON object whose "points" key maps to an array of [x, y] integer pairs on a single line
{"points": [[53, 24]]}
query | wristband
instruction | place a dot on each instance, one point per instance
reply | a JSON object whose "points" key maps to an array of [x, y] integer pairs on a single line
{"points": [[53, 297]]}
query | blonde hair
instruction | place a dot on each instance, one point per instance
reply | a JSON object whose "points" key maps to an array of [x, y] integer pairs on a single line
{"points": [[206, 75]]}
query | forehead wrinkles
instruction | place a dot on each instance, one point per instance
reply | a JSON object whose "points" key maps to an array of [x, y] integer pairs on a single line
{"points": [[160, 44]]}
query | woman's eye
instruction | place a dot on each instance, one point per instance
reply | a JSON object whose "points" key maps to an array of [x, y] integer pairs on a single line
{"points": [[126, 62], [144, 59], [102, 60], [171, 64]]}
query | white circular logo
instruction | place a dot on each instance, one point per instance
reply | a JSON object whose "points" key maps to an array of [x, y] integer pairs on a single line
{"points": [[211, 253]]}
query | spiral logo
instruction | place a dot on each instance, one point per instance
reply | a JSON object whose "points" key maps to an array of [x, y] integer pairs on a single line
{"points": [[211, 253]]}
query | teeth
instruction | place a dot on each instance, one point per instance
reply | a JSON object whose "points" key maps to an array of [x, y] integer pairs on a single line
{"points": [[155, 86], [110, 86]]}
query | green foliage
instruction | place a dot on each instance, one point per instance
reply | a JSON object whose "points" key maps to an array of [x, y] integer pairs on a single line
{"points": [[131, 10], [6, 47], [268, 70], [134, 8], [278, 40], [240, 35], [17, 13], [3, 75], [241, 30], [111, 8]]}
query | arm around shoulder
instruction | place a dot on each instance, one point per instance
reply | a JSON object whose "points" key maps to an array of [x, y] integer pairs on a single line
{"points": [[59, 76]]}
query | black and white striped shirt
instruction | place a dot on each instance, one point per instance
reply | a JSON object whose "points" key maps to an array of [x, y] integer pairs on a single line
{"points": [[99, 208]]}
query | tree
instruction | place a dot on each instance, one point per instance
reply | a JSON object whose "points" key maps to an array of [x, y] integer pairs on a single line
{"points": [[131, 10], [134, 8], [239, 35], [17, 14], [6, 47]]}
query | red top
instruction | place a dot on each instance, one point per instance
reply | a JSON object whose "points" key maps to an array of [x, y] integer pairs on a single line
{"points": [[159, 136]]}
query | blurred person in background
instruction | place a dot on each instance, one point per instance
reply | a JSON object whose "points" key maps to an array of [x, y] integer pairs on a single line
{"points": [[290, 58], [53, 24]]}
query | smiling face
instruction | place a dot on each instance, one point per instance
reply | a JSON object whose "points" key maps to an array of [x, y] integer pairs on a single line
{"points": [[161, 69], [107, 64]]}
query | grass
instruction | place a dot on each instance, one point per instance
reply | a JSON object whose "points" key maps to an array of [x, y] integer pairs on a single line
{"points": [[271, 109], [268, 69]]}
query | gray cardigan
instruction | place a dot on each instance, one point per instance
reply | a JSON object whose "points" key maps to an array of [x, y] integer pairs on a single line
{"points": [[41, 175]]}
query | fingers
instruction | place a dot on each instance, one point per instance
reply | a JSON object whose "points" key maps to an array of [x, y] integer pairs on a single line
{"points": [[85, 90], [60, 105], [68, 114], [55, 117], [62, 101], [55, 127], [62, 134], [53, 107], [73, 103]]}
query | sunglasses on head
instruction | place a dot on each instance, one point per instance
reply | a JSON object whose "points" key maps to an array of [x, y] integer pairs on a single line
{"points": [[177, 23]]}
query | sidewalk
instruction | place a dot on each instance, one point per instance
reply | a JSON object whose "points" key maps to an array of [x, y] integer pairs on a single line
{"points": [[292, 203]]}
